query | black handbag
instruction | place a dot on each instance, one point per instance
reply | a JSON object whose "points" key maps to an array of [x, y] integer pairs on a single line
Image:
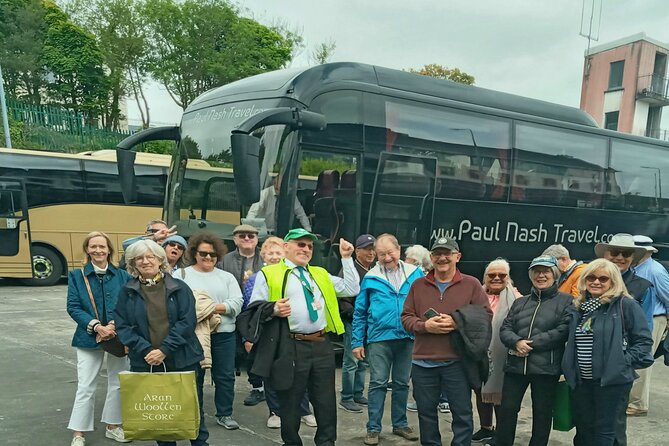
{"points": [[112, 346]]}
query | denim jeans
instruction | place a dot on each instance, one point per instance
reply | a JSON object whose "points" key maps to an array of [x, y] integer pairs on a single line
{"points": [[223, 347], [431, 382], [596, 411], [383, 356], [352, 370]]}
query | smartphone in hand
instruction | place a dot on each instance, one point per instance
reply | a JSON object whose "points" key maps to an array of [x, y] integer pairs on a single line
{"points": [[430, 313]]}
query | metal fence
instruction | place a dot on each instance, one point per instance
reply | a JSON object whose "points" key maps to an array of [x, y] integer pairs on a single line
{"points": [[57, 128]]}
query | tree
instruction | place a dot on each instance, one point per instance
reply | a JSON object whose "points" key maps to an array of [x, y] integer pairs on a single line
{"points": [[75, 64], [442, 72], [323, 52], [22, 34], [120, 33], [199, 45]]}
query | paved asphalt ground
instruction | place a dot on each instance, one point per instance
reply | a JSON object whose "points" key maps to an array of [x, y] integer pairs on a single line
{"points": [[38, 383]]}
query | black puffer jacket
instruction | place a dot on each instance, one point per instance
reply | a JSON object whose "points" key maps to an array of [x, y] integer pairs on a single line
{"points": [[543, 317]]}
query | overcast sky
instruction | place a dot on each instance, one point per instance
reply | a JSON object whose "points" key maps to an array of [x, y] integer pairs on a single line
{"points": [[526, 47]]}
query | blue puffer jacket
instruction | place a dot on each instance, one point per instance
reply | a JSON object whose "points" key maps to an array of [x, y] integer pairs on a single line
{"points": [[79, 305], [378, 307], [613, 362], [181, 346]]}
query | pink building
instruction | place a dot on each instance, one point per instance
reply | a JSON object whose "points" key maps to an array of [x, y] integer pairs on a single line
{"points": [[625, 85]]}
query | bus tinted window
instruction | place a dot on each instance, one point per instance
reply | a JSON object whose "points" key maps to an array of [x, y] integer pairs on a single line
{"points": [[49, 180], [558, 167], [636, 181], [472, 150], [343, 115]]}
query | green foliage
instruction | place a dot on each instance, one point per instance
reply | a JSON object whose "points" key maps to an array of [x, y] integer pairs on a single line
{"points": [[75, 62], [199, 45], [323, 52], [162, 147], [314, 166], [442, 72], [22, 33]]}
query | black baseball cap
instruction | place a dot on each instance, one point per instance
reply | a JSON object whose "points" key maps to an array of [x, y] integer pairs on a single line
{"points": [[445, 243], [364, 241]]}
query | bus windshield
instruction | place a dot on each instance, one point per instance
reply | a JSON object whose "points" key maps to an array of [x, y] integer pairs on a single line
{"points": [[207, 197]]}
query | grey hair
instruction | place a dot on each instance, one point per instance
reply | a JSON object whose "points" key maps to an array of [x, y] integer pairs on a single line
{"points": [[498, 262], [390, 237], [556, 251], [421, 255], [554, 269], [155, 222], [140, 248]]}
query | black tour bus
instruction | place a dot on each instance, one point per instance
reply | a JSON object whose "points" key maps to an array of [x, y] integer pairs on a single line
{"points": [[366, 149]]}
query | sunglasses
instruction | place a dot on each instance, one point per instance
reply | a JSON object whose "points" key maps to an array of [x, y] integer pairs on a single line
{"points": [[153, 231], [602, 279], [303, 245], [500, 275], [205, 254], [176, 245], [624, 252], [248, 236]]}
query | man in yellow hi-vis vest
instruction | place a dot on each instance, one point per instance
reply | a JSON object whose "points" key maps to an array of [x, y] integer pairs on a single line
{"points": [[307, 296]]}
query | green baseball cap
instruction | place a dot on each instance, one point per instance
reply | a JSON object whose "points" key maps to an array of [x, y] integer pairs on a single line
{"points": [[294, 234]]}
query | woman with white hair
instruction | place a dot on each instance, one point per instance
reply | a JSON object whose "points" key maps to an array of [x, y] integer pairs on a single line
{"points": [[155, 319], [501, 293], [418, 255], [534, 332], [608, 340]]}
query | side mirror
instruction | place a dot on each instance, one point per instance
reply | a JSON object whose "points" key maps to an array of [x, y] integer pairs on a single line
{"points": [[245, 158], [125, 160]]}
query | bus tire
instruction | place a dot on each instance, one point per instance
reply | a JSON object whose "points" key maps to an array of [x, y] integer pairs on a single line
{"points": [[47, 267]]}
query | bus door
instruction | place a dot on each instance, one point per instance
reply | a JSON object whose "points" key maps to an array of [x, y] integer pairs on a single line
{"points": [[403, 197], [15, 255]]}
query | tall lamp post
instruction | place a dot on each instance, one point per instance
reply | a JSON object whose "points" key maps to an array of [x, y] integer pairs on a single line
{"points": [[3, 105], [658, 183]]}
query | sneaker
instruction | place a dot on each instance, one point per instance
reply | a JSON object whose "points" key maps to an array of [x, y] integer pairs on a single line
{"points": [[116, 434], [227, 422], [310, 420], [255, 396], [361, 400], [372, 438], [444, 408], [350, 406], [405, 432], [491, 442], [78, 441], [412, 407], [483, 435], [274, 421]]}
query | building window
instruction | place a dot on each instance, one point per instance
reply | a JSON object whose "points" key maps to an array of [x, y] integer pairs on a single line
{"points": [[611, 120], [616, 74]]}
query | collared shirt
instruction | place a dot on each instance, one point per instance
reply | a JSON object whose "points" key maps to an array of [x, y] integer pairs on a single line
{"points": [[396, 276], [299, 320], [653, 271], [265, 208]]}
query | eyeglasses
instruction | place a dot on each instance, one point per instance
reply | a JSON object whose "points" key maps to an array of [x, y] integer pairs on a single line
{"points": [[152, 230], [248, 236], [545, 272], [624, 252], [146, 258], [500, 275], [176, 245], [205, 254], [602, 279], [303, 245], [440, 254]]}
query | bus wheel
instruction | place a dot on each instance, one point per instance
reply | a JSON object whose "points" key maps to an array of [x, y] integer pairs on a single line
{"points": [[47, 267]]}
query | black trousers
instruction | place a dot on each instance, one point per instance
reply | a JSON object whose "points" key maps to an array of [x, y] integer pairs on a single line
{"points": [[543, 394], [315, 373], [597, 411]]}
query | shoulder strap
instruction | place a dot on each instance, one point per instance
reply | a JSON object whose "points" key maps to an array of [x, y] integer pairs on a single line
{"points": [[183, 273], [90, 294]]}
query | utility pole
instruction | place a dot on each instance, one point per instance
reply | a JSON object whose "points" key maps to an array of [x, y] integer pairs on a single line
{"points": [[3, 105]]}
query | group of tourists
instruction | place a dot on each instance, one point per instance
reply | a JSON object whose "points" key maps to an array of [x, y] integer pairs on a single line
{"points": [[415, 324]]}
